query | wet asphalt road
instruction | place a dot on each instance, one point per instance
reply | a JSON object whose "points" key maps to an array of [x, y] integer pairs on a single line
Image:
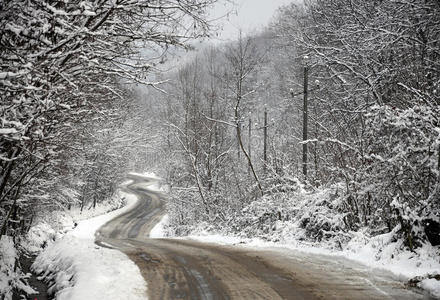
{"points": [[185, 269]]}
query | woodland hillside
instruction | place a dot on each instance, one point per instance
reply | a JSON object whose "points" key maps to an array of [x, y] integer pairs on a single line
{"points": [[324, 126], [237, 134]]}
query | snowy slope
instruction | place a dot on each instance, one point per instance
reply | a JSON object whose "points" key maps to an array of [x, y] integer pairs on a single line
{"points": [[79, 269], [10, 278]]}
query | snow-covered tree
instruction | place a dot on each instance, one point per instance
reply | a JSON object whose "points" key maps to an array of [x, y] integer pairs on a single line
{"points": [[65, 62]]}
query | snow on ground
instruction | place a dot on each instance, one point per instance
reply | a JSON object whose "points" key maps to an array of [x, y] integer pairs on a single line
{"points": [[79, 269], [381, 252], [423, 260], [405, 265], [38, 237], [54, 225], [154, 183], [86, 229], [9, 278], [158, 231], [145, 175], [431, 285]]}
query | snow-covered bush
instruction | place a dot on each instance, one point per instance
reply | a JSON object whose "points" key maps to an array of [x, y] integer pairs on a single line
{"points": [[314, 216], [185, 212], [11, 277], [400, 176], [287, 213]]}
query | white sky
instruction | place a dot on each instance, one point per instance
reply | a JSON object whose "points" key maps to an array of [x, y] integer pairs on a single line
{"points": [[250, 15]]}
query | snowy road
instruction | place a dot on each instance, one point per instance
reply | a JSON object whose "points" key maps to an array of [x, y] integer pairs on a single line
{"points": [[184, 269]]}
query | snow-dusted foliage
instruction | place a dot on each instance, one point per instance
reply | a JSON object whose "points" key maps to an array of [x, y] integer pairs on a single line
{"points": [[307, 216], [74, 267], [67, 108], [64, 72], [376, 108], [400, 175], [48, 228], [316, 221], [373, 128], [11, 276]]}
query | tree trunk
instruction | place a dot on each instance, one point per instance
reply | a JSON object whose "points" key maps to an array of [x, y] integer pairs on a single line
{"points": [[240, 142]]}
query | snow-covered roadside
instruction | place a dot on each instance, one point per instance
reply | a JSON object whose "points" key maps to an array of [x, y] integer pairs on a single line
{"points": [[54, 225], [79, 269], [378, 252], [10, 277], [49, 227], [158, 231]]}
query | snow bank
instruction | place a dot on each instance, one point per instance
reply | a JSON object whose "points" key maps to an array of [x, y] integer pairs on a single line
{"points": [[432, 285], [39, 236], [79, 269], [50, 227], [158, 231], [386, 253], [54, 225], [406, 265], [10, 278], [383, 251]]}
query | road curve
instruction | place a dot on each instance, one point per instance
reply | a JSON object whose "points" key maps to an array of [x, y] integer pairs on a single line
{"points": [[184, 269]]}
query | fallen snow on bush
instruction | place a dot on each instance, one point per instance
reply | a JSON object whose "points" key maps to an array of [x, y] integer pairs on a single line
{"points": [[56, 224], [432, 285], [384, 251], [10, 278], [312, 222], [49, 228], [78, 269]]}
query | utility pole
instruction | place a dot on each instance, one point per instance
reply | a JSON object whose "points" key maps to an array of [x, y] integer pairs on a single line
{"points": [[305, 123], [438, 163], [265, 139], [238, 141], [250, 141]]}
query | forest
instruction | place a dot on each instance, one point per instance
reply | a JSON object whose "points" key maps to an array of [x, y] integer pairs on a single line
{"points": [[69, 129], [329, 118], [336, 96]]}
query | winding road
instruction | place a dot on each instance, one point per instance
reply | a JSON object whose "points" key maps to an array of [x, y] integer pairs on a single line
{"points": [[186, 269]]}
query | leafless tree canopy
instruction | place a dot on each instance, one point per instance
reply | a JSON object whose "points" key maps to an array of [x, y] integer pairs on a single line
{"points": [[65, 69], [373, 119]]}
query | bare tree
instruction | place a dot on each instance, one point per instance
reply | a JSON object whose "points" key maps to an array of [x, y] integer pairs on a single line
{"points": [[243, 58], [62, 63]]}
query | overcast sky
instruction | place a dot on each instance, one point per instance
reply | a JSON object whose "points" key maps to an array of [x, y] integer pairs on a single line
{"points": [[250, 15]]}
